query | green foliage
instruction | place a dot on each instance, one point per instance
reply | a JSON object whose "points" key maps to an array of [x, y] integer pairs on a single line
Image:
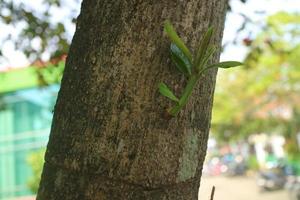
{"points": [[180, 60], [36, 161], [169, 29], [32, 76], [38, 24], [202, 49], [266, 90], [292, 149], [164, 90], [252, 163], [191, 66], [227, 64]]}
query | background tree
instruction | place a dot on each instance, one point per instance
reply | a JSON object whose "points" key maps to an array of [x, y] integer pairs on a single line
{"points": [[35, 27], [266, 91], [109, 137], [35, 160]]}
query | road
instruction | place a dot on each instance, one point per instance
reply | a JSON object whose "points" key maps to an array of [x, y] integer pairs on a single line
{"points": [[236, 188]]}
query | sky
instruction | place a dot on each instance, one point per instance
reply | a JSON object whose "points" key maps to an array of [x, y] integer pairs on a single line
{"points": [[234, 21], [16, 59]]}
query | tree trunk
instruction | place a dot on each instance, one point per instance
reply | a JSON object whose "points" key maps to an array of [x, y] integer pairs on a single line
{"points": [[109, 137]]}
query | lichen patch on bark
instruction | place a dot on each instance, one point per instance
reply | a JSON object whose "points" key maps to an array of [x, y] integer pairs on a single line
{"points": [[189, 160]]}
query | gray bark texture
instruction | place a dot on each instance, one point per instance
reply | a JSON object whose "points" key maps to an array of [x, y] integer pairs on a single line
{"points": [[110, 138]]}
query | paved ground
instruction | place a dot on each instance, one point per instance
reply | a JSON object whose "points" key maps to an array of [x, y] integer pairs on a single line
{"points": [[236, 188]]}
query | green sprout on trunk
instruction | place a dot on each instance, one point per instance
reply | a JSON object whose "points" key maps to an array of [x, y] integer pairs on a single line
{"points": [[192, 66]]}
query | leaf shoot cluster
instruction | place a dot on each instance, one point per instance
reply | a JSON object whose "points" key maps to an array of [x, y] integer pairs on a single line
{"points": [[191, 66]]}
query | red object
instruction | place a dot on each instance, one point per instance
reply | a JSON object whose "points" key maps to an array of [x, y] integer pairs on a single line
{"points": [[247, 41]]}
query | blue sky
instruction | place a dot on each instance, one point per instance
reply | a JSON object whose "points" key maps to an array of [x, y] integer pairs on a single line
{"points": [[233, 22]]}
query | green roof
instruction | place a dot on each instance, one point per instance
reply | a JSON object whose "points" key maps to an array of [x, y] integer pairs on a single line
{"points": [[30, 77]]}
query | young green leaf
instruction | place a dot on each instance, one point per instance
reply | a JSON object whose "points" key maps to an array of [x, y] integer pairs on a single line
{"points": [[169, 29], [164, 90], [203, 46], [226, 64], [211, 50], [180, 60], [185, 62]]}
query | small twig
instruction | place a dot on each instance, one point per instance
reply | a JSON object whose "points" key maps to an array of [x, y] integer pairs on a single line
{"points": [[212, 193]]}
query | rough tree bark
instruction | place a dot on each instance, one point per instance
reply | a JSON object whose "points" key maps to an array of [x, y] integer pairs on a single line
{"points": [[109, 137]]}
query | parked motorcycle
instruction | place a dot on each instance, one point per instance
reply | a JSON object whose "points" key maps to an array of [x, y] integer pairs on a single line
{"points": [[293, 187], [271, 179]]}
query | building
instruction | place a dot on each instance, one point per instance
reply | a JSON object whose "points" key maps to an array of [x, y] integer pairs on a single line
{"points": [[27, 97]]}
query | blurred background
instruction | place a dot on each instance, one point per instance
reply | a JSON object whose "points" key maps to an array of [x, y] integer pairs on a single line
{"points": [[253, 150]]}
